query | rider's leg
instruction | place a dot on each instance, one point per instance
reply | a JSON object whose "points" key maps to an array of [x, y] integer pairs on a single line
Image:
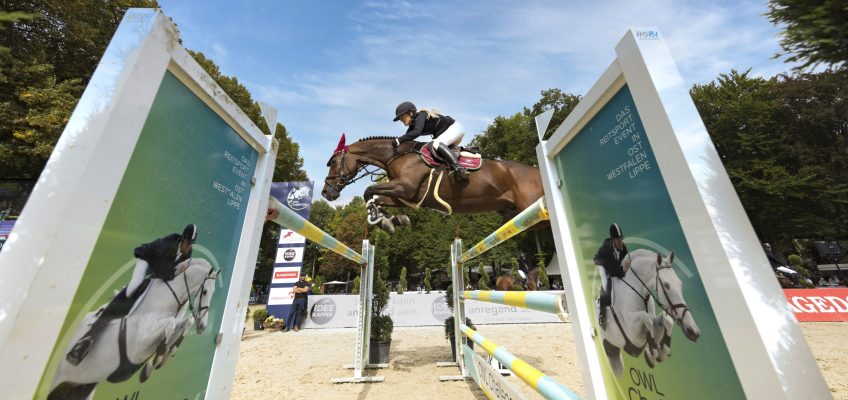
{"points": [[451, 137], [137, 278], [604, 299]]}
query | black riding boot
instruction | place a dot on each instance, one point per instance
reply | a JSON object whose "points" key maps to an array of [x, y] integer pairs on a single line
{"points": [[447, 156], [604, 301], [83, 345]]}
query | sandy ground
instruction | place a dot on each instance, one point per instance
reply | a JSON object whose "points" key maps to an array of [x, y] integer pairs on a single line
{"points": [[268, 369]]}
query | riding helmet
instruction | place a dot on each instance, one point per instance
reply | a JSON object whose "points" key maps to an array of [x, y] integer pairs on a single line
{"points": [[403, 108], [190, 233], [615, 231]]}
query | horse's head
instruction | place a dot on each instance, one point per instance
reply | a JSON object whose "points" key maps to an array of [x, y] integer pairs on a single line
{"points": [[343, 169], [670, 292], [200, 279]]}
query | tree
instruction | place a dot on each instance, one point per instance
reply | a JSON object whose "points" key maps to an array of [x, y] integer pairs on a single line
{"points": [[427, 285], [545, 283], [356, 284], [782, 143], [483, 282], [50, 50], [814, 31], [402, 282]]}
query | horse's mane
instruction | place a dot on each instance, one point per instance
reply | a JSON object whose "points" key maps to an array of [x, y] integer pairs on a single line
{"points": [[376, 138]]}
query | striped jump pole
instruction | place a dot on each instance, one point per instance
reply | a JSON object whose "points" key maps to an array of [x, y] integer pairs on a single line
{"points": [[291, 220], [540, 382], [537, 301], [537, 212]]}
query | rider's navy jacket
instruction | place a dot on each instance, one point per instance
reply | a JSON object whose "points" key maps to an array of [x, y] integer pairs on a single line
{"points": [[162, 255], [606, 258], [424, 125]]}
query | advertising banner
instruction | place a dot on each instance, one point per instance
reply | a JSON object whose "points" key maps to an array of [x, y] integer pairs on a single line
{"points": [[610, 176], [416, 309], [188, 179], [298, 197], [818, 305]]}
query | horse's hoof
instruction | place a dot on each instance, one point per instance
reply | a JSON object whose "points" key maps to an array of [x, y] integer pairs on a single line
{"points": [[145, 373], [387, 225], [404, 220]]}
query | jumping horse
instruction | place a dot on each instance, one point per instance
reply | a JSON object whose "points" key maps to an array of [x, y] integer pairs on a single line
{"points": [[499, 185]]}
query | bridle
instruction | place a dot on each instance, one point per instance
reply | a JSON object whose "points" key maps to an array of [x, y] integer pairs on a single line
{"points": [[197, 313], [342, 179], [672, 308]]}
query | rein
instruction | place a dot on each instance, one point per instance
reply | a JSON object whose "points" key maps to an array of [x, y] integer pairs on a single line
{"points": [[341, 180], [200, 312]]}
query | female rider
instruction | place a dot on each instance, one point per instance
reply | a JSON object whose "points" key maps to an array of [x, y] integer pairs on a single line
{"points": [[444, 129]]}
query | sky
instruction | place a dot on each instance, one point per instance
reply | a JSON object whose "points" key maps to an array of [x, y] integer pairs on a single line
{"points": [[332, 67]]}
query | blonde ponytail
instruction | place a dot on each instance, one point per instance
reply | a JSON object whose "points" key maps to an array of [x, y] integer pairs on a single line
{"points": [[434, 113]]}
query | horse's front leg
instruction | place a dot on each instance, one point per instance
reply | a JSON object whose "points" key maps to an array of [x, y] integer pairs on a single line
{"points": [[648, 324], [385, 195]]}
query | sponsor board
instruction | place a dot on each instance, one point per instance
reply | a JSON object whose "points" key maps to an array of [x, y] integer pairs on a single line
{"points": [[285, 275], [818, 305], [289, 255], [416, 309], [490, 380], [280, 295], [288, 236]]}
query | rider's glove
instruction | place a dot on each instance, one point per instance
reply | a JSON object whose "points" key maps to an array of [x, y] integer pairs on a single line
{"points": [[396, 143]]}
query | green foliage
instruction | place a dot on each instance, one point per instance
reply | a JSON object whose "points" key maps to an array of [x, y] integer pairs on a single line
{"points": [[49, 51], [794, 261], [782, 142], [483, 282], [260, 314], [813, 32], [427, 286], [356, 284], [545, 283], [402, 282], [318, 284]]}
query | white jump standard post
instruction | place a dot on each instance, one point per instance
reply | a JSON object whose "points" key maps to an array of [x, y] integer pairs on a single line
{"points": [[291, 220]]}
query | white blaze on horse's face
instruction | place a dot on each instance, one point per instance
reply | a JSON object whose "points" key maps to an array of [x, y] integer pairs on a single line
{"points": [[204, 299], [671, 297]]}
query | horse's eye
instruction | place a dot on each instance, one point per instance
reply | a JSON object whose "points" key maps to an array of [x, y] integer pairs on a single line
{"points": [[204, 291], [667, 286]]}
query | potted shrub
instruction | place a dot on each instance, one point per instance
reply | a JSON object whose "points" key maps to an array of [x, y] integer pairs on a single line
{"points": [[449, 332], [259, 317], [381, 325]]}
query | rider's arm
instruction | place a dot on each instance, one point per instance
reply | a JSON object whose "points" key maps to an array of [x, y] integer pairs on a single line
{"points": [[416, 129]]}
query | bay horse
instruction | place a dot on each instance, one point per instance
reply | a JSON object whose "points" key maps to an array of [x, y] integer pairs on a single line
{"points": [[499, 185]]}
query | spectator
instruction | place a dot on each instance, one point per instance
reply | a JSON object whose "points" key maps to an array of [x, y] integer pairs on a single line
{"points": [[775, 263], [300, 289]]}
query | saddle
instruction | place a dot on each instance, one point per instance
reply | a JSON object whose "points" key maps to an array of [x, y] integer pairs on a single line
{"points": [[467, 157], [121, 305]]}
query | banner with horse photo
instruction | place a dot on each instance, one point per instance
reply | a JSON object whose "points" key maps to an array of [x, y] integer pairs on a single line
{"points": [[657, 335], [145, 316]]}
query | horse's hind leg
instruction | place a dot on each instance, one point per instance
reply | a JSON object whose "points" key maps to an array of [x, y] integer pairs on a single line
{"points": [[71, 391], [614, 357]]}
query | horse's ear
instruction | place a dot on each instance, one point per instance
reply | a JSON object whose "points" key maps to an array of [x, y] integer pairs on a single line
{"points": [[671, 257], [659, 259]]}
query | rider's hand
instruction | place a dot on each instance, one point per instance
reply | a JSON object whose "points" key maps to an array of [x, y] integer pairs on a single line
{"points": [[272, 214], [626, 264], [396, 143]]}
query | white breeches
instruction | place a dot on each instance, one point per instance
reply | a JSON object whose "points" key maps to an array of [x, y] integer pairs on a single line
{"points": [[138, 275], [603, 272], [452, 136]]}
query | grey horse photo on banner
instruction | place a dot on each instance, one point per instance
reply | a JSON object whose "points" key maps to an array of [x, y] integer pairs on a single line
{"points": [[140, 334], [632, 323]]}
